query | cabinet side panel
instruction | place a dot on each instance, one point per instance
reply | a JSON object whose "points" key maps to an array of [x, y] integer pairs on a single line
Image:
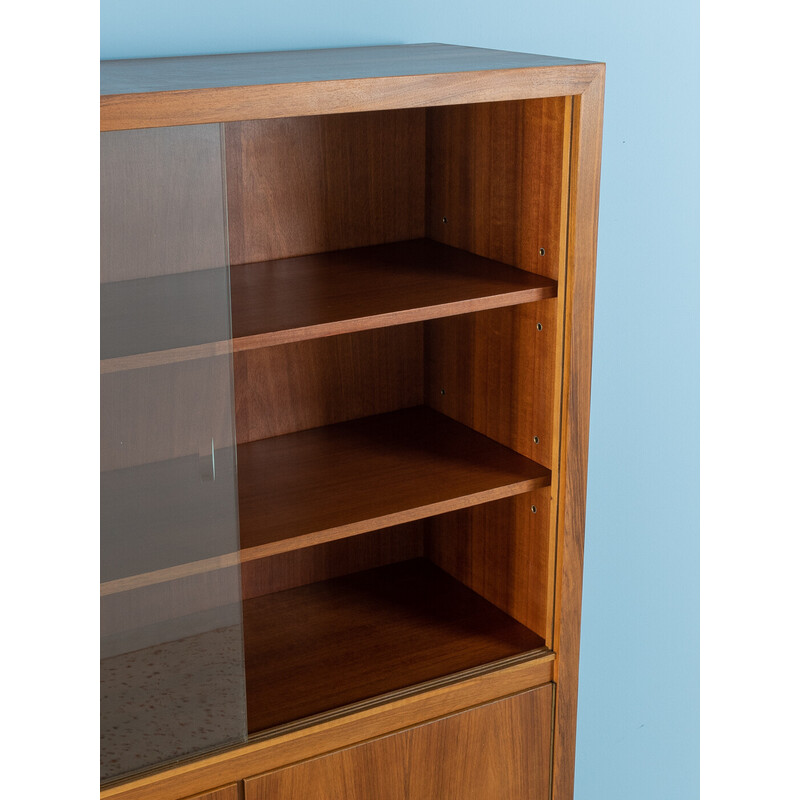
{"points": [[504, 552], [496, 372], [496, 185], [584, 204], [499, 750], [304, 385], [495, 177], [304, 185]]}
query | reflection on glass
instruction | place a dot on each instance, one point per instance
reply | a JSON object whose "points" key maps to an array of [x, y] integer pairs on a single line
{"points": [[172, 668]]}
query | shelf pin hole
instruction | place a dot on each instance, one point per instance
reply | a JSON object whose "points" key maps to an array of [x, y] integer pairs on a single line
{"points": [[533, 509], [538, 326], [536, 440], [443, 391], [444, 219], [541, 251]]}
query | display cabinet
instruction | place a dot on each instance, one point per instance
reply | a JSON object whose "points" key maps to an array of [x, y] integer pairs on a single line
{"points": [[346, 326]]}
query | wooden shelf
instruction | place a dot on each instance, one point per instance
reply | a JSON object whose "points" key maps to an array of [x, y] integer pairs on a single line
{"points": [[326, 645], [172, 318], [329, 483], [315, 486], [288, 300]]}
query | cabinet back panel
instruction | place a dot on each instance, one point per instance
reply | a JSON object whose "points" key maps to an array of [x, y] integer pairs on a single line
{"points": [[304, 385], [497, 370], [304, 185], [332, 559]]}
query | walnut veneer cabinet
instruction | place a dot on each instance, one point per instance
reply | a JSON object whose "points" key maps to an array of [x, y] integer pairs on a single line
{"points": [[346, 301]]}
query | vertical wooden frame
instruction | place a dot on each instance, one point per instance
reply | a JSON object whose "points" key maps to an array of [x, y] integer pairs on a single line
{"points": [[576, 396]]}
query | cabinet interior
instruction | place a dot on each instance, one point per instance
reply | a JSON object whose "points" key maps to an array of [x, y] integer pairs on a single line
{"points": [[480, 178], [396, 424]]}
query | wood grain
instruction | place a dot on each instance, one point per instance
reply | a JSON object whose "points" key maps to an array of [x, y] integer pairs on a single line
{"points": [[568, 441], [495, 372], [584, 204], [328, 483], [319, 647], [314, 184], [332, 559], [308, 384], [226, 104], [230, 792], [500, 750], [496, 173], [340, 731], [166, 319], [301, 66], [339, 292], [502, 551]]}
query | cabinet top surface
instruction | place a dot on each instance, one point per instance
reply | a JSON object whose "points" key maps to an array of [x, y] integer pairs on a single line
{"points": [[183, 73]]}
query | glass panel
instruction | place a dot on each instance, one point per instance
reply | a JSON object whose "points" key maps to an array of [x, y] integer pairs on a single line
{"points": [[172, 665]]}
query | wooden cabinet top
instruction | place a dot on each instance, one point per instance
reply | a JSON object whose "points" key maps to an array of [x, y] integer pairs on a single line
{"points": [[156, 92], [300, 66]]}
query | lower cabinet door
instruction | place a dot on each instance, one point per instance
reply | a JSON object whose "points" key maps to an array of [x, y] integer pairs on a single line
{"points": [[498, 751]]}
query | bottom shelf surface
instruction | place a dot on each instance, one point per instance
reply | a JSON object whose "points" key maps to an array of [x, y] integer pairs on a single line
{"points": [[320, 647]]}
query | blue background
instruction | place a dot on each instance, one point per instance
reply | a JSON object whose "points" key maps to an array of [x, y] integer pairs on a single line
{"points": [[638, 712]]}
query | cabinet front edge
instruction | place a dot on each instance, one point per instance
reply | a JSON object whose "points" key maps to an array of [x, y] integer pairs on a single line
{"points": [[272, 101], [240, 762]]}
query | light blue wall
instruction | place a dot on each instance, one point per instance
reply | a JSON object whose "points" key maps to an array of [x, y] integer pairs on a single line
{"points": [[638, 726]]}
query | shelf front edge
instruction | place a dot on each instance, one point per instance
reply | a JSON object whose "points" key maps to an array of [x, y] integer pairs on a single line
{"points": [[391, 318], [316, 537]]}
